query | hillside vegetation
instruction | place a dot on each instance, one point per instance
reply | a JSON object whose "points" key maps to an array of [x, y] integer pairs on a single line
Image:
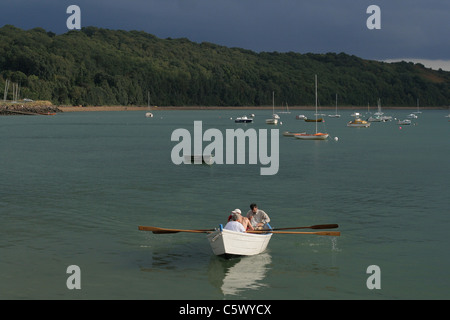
{"points": [[113, 67]]}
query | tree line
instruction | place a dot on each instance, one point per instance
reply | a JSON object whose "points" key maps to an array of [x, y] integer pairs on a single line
{"points": [[95, 66]]}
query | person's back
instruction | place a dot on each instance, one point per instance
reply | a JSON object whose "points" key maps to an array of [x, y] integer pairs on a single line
{"points": [[234, 226]]}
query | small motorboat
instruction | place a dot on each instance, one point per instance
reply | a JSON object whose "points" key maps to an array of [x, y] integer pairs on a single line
{"points": [[199, 159], [243, 119], [149, 115], [300, 117], [358, 122], [404, 122], [374, 118], [272, 121], [314, 120]]}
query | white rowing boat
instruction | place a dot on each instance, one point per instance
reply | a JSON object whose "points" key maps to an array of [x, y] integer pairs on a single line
{"points": [[229, 243]]}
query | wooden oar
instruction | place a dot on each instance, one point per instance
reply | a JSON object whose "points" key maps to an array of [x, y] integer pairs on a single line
{"points": [[164, 230], [318, 226], [157, 230], [319, 233]]}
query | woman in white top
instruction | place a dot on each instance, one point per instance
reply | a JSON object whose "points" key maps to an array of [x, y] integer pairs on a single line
{"points": [[237, 222]]}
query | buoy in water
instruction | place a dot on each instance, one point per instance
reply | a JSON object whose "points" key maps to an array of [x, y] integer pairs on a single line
{"points": [[336, 138]]}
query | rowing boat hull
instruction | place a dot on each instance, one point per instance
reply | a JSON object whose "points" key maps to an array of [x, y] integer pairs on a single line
{"points": [[231, 243]]}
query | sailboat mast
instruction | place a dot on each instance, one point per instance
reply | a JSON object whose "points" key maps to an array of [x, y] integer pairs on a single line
{"points": [[273, 102], [336, 103], [316, 99]]}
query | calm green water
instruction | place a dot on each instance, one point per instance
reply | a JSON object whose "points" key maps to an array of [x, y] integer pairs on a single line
{"points": [[74, 187]]}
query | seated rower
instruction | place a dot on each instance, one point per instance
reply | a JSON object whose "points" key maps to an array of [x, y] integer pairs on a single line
{"points": [[243, 220], [234, 224]]}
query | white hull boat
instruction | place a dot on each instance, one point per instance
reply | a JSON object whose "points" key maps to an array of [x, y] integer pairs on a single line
{"points": [[229, 243], [404, 122], [243, 119], [374, 119], [271, 121]]}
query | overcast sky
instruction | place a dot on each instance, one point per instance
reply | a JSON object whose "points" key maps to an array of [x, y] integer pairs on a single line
{"points": [[410, 29]]}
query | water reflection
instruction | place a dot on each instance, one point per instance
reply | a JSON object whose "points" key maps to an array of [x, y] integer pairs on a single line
{"points": [[236, 275], [175, 256]]}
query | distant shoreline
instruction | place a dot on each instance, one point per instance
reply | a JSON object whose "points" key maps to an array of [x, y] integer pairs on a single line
{"points": [[46, 107], [277, 109]]}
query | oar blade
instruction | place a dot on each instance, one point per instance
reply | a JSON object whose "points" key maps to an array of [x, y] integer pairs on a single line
{"points": [[164, 231], [325, 226], [156, 230]]}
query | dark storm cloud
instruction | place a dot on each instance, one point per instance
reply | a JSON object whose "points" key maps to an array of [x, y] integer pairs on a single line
{"points": [[415, 28]]}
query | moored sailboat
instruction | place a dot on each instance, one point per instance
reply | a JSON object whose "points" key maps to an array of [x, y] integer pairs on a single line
{"points": [[313, 136], [275, 117], [336, 115]]}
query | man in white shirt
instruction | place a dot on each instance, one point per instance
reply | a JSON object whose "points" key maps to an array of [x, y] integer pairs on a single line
{"points": [[234, 224]]}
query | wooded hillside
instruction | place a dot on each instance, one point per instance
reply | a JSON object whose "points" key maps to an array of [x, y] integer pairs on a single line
{"points": [[112, 67]]}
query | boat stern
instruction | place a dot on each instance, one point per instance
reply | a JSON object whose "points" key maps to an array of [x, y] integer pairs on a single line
{"points": [[231, 243]]}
